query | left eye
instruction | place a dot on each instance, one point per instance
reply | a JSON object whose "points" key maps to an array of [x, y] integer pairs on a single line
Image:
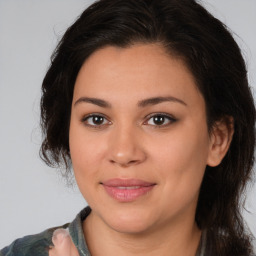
{"points": [[160, 120]]}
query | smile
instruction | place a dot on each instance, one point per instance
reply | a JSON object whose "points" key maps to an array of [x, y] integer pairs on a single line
{"points": [[127, 190], [134, 187]]}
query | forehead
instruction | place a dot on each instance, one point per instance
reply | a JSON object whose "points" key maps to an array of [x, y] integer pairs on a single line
{"points": [[142, 70]]}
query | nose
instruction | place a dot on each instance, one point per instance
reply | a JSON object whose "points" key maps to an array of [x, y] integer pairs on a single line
{"points": [[126, 147]]}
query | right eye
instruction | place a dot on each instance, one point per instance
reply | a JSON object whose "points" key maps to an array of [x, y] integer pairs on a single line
{"points": [[95, 120]]}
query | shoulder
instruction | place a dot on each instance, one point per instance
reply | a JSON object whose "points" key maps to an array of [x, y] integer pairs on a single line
{"points": [[37, 244]]}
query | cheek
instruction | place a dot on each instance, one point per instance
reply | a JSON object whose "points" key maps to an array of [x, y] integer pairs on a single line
{"points": [[181, 159], [180, 165], [86, 154], [85, 161]]}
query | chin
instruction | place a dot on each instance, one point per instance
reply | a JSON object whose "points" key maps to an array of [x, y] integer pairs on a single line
{"points": [[130, 222], [129, 227]]}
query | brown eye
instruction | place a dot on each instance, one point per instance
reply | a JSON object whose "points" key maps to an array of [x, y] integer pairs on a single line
{"points": [[160, 120], [95, 120]]}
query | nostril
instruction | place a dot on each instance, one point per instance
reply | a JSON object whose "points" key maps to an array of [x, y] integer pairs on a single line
{"points": [[125, 163], [126, 155], [134, 161]]}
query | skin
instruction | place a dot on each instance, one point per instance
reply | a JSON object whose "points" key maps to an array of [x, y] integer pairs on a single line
{"points": [[63, 245], [129, 144]]}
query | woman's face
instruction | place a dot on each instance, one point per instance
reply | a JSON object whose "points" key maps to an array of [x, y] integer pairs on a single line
{"points": [[139, 141]]}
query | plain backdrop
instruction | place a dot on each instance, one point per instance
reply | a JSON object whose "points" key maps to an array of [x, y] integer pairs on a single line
{"points": [[34, 197]]}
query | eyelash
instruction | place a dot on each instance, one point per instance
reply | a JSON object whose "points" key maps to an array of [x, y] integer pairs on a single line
{"points": [[165, 116], [170, 119], [86, 118]]}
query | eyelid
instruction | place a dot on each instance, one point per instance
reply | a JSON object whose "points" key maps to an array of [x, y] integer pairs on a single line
{"points": [[86, 117], [171, 118]]}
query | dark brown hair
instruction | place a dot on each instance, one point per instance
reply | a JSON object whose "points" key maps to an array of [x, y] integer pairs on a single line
{"points": [[188, 31]]}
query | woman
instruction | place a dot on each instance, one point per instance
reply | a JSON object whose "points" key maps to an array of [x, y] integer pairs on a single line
{"points": [[148, 102]]}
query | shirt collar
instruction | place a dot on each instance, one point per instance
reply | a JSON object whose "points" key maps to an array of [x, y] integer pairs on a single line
{"points": [[76, 232]]}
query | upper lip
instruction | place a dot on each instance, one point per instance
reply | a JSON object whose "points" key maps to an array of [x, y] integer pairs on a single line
{"points": [[127, 183]]}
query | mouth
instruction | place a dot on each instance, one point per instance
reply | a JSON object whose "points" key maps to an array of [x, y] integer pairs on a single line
{"points": [[127, 190]]}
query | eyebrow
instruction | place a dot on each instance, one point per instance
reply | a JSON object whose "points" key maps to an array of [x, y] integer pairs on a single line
{"points": [[157, 100], [142, 103], [95, 101]]}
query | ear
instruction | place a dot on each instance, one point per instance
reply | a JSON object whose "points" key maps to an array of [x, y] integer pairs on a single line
{"points": [[220, 139]]}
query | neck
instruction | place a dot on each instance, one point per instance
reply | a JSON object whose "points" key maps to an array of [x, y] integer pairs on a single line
{"points": [[173, 240]]}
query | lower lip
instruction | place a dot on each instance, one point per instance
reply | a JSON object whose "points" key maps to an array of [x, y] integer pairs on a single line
{"points": [[127, 195]]}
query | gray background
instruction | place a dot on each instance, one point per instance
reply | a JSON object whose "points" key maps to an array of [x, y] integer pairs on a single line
{"points": [[32, 196]]}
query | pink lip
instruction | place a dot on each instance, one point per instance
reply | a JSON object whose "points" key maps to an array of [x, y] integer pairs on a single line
{"points": [[127, 190]]}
